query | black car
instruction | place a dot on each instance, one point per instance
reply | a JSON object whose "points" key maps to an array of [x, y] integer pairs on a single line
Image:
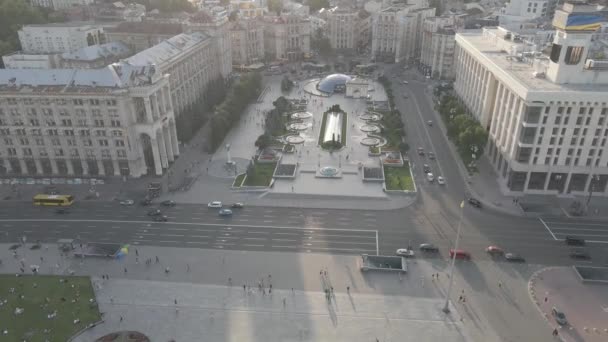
{"points": [[513, 257], [155, 212], [168, 203], [574, 241], [428, 247], [580, 254], [161, 218], [475, 202], [61, 211], [145, 202], [426, 168]]}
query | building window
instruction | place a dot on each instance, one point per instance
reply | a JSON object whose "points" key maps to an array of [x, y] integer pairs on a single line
{"points": [[574, 54], [555, 52]]}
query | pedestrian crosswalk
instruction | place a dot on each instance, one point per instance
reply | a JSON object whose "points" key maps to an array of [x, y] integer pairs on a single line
{"points": [[590, 231]]}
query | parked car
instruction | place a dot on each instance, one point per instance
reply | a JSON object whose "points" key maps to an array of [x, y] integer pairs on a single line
{"points": [[559, 316], [474, 202], [460, 254], [214, 204], [161, 218], [225, 212], [145, 202], [430, 122], [405, 252], [440, 180], [494, 251], [168, 203], [420, 151], [574, 241], [237, 205], [579, 254], [431, 156], [514, 257], [127, 202], [428, 247], [155, 212], [430, 177], [426, 168]]}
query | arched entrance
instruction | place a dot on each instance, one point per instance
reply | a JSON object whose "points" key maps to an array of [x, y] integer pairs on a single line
{"points": [[146, 145]]}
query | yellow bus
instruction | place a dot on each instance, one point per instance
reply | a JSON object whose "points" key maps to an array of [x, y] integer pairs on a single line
{"points": [[56, 200]]}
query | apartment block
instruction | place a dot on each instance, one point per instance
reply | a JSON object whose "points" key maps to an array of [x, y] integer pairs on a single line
{"points": [[59, 37]]}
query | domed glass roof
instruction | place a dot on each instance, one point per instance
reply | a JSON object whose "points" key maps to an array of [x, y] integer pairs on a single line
{"points": [[329, 83]]}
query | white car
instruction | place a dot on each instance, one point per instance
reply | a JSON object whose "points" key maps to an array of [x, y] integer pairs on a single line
{"points": [[404, 252], [430, 177], [214, 204], [406, 82], [440, 180], [127, 202]]}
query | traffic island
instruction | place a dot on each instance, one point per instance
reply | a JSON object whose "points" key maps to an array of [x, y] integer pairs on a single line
{"points": [[398, 178], [46, 308]]}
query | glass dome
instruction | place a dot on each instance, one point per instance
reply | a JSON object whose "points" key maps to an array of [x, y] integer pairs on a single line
{"points": [[329, 83]]}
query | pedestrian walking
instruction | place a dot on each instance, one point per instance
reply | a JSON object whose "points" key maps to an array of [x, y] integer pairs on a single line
{"points": [[499, 285], [175, 301], [230, 282], [41, 259], [244, 288], [125, 270], [546, 299], [348, 289], [121, 318], [157, 260], [136, 252], [111, 299], [167, 270], [187, 267], [137, 260], [284, 302]]}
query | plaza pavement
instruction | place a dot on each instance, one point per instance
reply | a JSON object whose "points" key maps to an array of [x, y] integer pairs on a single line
{"points": [[212, 305]]}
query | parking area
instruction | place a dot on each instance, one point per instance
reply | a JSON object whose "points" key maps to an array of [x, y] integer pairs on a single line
{"points": [[590, 231]]}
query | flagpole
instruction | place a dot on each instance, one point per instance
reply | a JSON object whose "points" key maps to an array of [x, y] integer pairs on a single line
{"points": [[446, 307]]}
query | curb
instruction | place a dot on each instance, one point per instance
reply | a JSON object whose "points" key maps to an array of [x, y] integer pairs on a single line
{"points": [[535, 301], [81, 331]]}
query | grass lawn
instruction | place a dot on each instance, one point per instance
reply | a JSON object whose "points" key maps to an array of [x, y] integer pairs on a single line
{"points": [[262, 174], [239, 180], [35, 291], [398, 178]]}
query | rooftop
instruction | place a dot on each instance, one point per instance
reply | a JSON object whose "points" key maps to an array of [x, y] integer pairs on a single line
{"points": [[514, 70], [167, 50], [67, 24], [147, 27], [94, 52]]}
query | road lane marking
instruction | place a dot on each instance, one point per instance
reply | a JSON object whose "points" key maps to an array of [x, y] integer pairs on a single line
{"points": [[197, 243], [273, 246], [171, 235], [199, 236], [268, 221], [194, 224], [248, 245], [250, 238], [283, 240], [548, 229]]}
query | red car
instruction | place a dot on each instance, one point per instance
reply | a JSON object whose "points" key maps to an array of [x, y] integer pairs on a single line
{"points": [[460, 254], [494, 251]]}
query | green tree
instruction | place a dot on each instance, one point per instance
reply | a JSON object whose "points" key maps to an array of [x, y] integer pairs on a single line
{"points": [[316, 5], [263, 141], [275, 6], [472, 139]]}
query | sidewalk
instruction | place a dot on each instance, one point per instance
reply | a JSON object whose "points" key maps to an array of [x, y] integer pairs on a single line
{"points": [[378, 305], [583, 304]]}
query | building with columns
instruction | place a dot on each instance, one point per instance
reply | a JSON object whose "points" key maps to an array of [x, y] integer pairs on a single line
{"points": [[112, 121], [190, 61], [438, 43], [247, 39], [286, 37], [546, 113]]}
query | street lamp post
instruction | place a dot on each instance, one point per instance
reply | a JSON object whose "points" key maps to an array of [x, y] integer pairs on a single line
{"points": [[446, 307]]}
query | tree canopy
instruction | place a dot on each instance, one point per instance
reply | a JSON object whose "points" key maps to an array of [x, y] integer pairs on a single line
{"points": [[168, 6], [275, 6]]}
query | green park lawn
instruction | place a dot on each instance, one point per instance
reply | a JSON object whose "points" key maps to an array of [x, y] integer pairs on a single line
{"points": [[398, 178], [238, 181], [262, 174], [40, 296]]}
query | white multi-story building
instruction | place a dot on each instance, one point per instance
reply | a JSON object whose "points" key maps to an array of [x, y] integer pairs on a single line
{"points": [[190, 61], [438, 43], [113, 121], [59, 37], [546, 115], [140, 36], [341, 24], [516, 13], [397, 31], [214, 23], [247, 38], [286, 37], [60, 4]]}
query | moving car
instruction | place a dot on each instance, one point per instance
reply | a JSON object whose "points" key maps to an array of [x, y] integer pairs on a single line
{"points": [[559, 316], [431, 156], [237, 205], [574, 241], [426, 168], [168, 203], [460, 254], [161, 218], [405, 252], [214, 204], [514, 257], [430, 122], [420, 151], [428, 247], [579, 254], [474, 202], [494, 251], [404, 95], [155, 212], [440, 180], [145, 202], [127, 202], [225, 212], [406, 82], [430, 177]]}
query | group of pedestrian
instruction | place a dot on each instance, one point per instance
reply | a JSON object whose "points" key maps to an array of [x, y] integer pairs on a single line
{"points": [[435, 276], [462, 298]]}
